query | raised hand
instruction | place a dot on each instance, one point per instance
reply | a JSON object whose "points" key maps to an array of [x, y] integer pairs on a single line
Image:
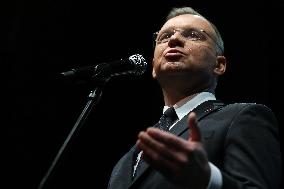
{"points": [[183, 162]]}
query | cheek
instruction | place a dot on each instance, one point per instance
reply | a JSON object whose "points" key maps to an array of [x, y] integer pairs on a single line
{"points": [[158, 52], [202, 55]]}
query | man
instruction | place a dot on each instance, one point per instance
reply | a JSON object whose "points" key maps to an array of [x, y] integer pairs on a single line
{"points": [[210, 145]]}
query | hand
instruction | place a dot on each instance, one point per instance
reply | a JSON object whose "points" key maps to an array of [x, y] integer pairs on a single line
{"points": [[183, 162]]}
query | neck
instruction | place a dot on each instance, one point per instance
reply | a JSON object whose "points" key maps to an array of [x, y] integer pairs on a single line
{"points": [[172, 96], [177, 87]]}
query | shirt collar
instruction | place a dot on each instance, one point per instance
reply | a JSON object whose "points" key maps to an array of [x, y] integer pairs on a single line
{"points": [[186, 105]]}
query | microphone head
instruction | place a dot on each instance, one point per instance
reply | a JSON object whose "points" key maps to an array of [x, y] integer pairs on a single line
{"points": [[139, 63], [134, 65]]}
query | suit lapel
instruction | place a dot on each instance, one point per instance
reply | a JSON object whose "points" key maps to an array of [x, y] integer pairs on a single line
{"points": [[201, 111], [122, 174], [143, 165]]}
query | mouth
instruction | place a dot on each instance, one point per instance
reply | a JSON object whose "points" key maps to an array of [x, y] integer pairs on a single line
{"points": [[173, 55]]}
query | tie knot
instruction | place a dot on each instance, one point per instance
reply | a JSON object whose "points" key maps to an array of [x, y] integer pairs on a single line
{"points": [[167, 119], [170, 112]]}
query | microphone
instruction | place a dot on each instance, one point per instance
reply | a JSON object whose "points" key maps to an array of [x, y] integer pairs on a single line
{"points": [[134, 65]]}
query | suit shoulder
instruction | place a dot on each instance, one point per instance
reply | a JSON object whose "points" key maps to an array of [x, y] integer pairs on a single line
{"points": [[238, 109], [247, 106], [250, 112]]}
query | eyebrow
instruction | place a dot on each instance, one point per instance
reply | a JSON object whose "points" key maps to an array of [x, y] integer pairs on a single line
{"points": [[172, 28]]}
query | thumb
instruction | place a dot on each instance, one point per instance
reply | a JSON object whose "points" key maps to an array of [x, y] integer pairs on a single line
{"points": [[194, 134]]}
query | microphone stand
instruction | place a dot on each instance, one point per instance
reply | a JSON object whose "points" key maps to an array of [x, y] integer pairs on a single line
{"points": [[93, 99]]}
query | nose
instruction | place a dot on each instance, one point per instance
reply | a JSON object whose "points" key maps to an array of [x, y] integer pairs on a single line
{"points": [[176, 34], [176, 39]]}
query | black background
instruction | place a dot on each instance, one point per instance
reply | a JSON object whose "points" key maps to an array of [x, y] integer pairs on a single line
{"points": [[40, 39]]}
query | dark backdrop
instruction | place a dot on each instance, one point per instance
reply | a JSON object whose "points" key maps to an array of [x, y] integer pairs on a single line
{"points": [[40, 39]]}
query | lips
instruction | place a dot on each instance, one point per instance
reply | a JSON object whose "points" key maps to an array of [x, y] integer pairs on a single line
{"points": [[173, 54]]}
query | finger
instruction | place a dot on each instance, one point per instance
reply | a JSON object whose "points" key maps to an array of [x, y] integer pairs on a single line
{"points": [[159, 148], [158, 162], [169, 140], [195, 134]]}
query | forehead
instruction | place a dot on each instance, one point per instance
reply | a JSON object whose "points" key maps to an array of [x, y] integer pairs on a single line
{"points": [[187, 21]]}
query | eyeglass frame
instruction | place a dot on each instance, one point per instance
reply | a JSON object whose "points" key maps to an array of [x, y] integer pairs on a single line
{"points": [[200, 31]]}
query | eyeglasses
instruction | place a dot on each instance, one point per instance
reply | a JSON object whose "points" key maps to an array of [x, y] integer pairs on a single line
{"points": [[188, 34]]}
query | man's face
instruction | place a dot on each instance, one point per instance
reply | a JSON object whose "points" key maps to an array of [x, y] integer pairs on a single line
{"points": [[184, 51]]}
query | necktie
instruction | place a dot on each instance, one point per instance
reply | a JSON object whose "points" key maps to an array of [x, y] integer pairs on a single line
{"points": [[167, 119]]}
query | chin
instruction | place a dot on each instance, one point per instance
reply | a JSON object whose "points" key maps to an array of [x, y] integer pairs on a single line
{"points": [[173, 66], [174, 62]]}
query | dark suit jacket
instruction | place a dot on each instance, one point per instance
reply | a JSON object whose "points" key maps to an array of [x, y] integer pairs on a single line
{"points": [[240, 139]]}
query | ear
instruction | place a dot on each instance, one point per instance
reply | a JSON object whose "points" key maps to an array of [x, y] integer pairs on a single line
{"points": [[220, 66], [153, 70]]}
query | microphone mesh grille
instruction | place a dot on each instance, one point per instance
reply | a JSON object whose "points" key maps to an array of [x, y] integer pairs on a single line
{"points": [[139, 62]]}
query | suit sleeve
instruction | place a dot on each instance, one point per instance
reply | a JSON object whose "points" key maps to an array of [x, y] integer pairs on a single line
{"points": [[252, 157]]}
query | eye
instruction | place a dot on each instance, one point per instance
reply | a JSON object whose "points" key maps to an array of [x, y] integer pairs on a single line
{"points": [[164, 37], [193, 35]]}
